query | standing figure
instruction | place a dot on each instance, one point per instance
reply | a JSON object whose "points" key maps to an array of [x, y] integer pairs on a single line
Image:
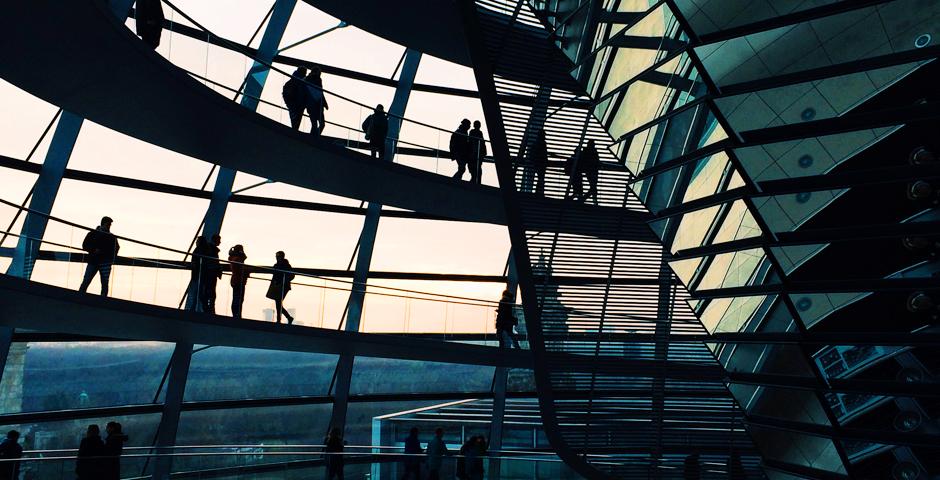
{"points": [[102, 247], [10, 449], [88, 466], [506, 321], [464, 456], [460, 147], [294, 94], [477, 153], [150, 21], [113, 447], [280, 285], [236, 258], [412, 462], [538, 161], [206, 272], [475, 459], [735, 466], [316, 102], [376, 128], [691, 468], [590, 164], [334, 454], [436, 451]]}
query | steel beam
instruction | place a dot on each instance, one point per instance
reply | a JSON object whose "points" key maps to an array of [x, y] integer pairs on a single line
{"points": [[370, 226]]}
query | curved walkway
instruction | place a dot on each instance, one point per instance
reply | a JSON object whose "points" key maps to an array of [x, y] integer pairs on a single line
{"points": [[37, 306]]}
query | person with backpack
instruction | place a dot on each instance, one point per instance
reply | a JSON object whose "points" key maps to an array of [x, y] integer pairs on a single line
{"points": [[460, 147], [506, 321], [240, 271], [376, 128], [584, 164], [102, 247], [294, 94], [205, 272], [280, 285]]}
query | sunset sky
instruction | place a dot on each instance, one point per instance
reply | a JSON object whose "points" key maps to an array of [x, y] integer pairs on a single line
{"points": [[311, 239]]}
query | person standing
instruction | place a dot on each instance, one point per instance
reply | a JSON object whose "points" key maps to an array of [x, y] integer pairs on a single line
{"points": [[236, 258], [460, 147], [538, 161], [280, 285], [590, 164], [10, 450], [149, 21], [436, 451], [88, 465], [475, 459], [464, 457], [113, 448], [413, 451], [102, 247], [376, 128], [506, 321], [333, 448], [294, 94], [206, 271], [477, 153], [316, 102]]}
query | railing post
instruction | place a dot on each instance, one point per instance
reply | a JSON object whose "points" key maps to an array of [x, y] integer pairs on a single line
{"points": [[215, 214], [370, 227]]}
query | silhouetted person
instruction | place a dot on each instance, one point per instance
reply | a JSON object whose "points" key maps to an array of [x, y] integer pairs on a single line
{"points": [[586, 165], [102, 247], [295, 96], [475, 458], [506, 321], [735, 467], [206, 272], [88, 466], [150, 21], [538, 161], [412, 461], [333, 447], [240, 271], [10, 449], [280, 285], [477, 153], [463, 460], [691, 468], [376, 128], [316, 102], [113, 448], [460, 147], [436, 451]]}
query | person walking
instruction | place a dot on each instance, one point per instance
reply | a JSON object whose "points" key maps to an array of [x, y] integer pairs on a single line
{"points": [[112, 450], [102, 247], [460, 147], [294, 94], [538, 161], [10, 450], [149, 19], [280, 285], [413, 451], [240, 272], [333, 449], [88, 465], [376, 128], [436, 451], [506, 321], [477, 153], [315, 100], [206, 272], [590, 164]]}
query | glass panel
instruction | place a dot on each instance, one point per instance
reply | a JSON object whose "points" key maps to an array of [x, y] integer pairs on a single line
{"points": [[221, 373], [813, 307], [72, 375], [784, 213], [380, 375], [797, 449]]}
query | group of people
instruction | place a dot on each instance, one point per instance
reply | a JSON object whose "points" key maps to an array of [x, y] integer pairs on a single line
{"points": [[469, 460], [304, 92], [468, 149], [101, 459], [582, 166], [206, 270]]}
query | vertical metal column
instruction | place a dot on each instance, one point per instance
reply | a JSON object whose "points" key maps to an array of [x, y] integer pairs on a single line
{"points": [[370, 227], [182, 353], [44, 194]]}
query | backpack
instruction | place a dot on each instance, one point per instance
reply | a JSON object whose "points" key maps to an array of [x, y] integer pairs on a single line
{"points": [[367, 126]]}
